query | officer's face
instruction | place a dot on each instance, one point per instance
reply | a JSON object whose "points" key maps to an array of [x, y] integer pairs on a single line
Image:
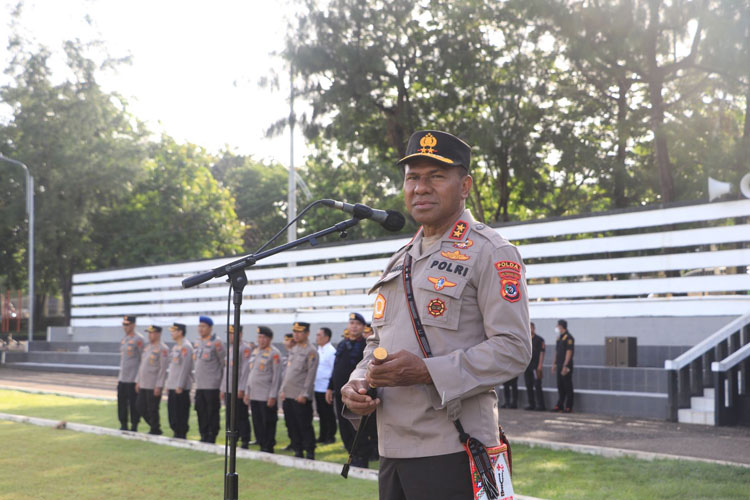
{"points": [[355, 329], [176, 334], [204, 330], [129, 328], [263, 341], [321, 338], [154, 337], [533, 329], [301, 337], [434, 194]]}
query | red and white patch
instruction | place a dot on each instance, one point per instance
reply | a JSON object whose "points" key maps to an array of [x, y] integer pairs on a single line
{"points": [[436, 307], [508, 265]]}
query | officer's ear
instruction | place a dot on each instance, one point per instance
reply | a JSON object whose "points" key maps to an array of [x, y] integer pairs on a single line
{"points": [[466, 183]]}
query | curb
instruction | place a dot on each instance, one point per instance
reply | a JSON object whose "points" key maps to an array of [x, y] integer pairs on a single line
{"points": [[605, 451], [57, 393]]}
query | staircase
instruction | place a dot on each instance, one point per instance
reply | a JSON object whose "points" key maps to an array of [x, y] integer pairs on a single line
{"points": [[701, 410], [92, 358]]}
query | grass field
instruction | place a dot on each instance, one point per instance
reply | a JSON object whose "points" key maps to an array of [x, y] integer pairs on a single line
{"points": [[538, 472]]}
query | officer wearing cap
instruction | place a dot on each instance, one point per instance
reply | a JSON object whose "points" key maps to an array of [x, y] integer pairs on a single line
{"points": [[243, 417], [262, 389], [179, 381], [348, 354], [131, 347], [467, 289], [151, 377], [209, 358], [289, 344], [297, 391]]}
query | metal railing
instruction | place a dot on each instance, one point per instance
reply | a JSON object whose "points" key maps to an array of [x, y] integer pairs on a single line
{"points": [[731, 380], [690, 373]]}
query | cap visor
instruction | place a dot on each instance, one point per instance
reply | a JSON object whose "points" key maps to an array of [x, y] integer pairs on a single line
{"points": [[438, 158]]}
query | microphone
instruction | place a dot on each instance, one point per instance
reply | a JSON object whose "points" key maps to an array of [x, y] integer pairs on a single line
{"points": [[389, 219]]}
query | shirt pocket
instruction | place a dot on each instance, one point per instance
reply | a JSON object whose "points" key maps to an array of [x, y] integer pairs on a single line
{"points": [[439, 299], [385, 302]]}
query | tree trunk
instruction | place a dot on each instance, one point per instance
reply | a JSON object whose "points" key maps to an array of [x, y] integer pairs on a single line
{"points": [[622, 140]]}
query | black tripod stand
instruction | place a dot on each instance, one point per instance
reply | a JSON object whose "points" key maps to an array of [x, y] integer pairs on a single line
{"points": [[238, 279]]}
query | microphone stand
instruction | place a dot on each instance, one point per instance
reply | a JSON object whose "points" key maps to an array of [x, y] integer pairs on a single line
{"points": [[237, 277]]}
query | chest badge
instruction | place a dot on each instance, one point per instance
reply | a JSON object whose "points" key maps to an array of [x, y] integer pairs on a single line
{"points": [[436, 307], [463, 245], [379, 307], [441, 282], [455, 255]]}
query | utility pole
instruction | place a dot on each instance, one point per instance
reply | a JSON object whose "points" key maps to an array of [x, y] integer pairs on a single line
{"points": [[292, 203], [30, 213]]}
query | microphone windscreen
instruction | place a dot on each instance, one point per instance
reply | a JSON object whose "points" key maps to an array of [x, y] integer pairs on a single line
{"points": [[395, 221]]}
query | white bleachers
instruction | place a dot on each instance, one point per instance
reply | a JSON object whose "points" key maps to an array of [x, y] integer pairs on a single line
{"points": [[680, 261]]}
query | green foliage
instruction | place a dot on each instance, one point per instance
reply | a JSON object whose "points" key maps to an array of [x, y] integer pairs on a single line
{"points": [[176, 212]]}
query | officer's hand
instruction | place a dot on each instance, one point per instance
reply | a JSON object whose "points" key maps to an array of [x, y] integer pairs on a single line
{"points": [[157, 391], [354, 395], [246, 399], [241, 395], [137, 387], [302, 400], [281, 396], [565, 370], [539, 373], [178, 390], [329, 396], [271, 402], [399, 369], [221, 395]]}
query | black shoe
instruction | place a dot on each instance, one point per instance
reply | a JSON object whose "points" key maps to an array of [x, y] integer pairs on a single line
{"points": [[329, 441], [529, 408], [310, 455], [157, 432], [513, 406], [134, 429], [289, 448], [298, 454], [245, 445], [124, 428], [541, 408]]}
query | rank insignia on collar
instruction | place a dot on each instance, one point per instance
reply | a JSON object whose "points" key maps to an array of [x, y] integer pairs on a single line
{"points": [[463, 245], [454, 255], [510, 289], [459, 230], [441, 282], [436, 307]]}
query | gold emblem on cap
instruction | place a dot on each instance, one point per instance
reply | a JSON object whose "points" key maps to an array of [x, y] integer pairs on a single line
{"points": [[428, 143]]}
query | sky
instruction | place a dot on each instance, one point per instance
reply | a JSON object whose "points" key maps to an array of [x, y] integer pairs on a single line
{"points": [[195, 64]]}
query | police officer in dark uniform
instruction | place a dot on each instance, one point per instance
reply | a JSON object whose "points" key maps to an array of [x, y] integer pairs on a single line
{"points": [[563, 367], [533, 373], [348, 354]]}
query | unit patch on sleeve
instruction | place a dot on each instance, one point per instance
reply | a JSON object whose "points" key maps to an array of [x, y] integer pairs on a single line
{"points": [[459, 230], [509, 265], [436, 307], [510, 289], [441, 282], [379, 307], [455, 255]]}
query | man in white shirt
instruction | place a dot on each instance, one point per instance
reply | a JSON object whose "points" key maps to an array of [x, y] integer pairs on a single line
{"points": [[327, 354]]}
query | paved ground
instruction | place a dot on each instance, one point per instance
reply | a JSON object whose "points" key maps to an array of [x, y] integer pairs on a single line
{"points": [[713, 443]]}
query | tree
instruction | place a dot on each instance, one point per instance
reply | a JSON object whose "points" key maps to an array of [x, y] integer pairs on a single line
{"points": [[177, 211], [81, 146]]}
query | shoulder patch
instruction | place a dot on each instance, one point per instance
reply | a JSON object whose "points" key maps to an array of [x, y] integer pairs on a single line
{"points": [[276, 359], [184, 351], [459, 230]]}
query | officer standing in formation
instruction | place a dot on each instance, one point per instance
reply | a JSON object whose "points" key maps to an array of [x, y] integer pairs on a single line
{"points": [[262, 389], [179, 381], [460, 286], [326, 356], [151, 377], [131, 347], [297, 392], [563, 367], [533, 373], [243, 418], [209, 358], [348, 353]]}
